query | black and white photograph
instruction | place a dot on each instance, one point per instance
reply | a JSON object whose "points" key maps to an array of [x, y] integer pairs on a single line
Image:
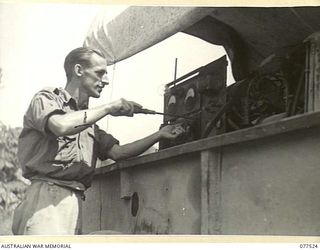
{"points": [[177, 120]]}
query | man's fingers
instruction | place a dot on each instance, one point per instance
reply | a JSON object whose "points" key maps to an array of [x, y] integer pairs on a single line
{"points": [[133, 107], [177, 130], [126, 108]]}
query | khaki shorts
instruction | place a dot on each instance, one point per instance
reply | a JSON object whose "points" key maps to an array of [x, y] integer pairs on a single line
{"points": [[48, 209]]}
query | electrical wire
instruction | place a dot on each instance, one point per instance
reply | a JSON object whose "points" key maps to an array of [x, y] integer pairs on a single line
{"points": [[111, 92]]}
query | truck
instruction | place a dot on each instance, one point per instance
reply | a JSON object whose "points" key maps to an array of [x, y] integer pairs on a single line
{"points": [[249, 162]]}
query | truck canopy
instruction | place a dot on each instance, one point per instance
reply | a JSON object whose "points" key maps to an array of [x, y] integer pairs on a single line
{"points": [[248, 34]]}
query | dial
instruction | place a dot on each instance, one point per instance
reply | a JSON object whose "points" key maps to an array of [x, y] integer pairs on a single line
{"points": [[172, 104], [190, 99]]}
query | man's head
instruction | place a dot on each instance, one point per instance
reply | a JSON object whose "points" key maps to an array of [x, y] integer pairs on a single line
{"points": [[88, 67]]}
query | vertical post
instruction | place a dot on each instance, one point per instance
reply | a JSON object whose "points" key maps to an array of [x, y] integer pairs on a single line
{"points": [[175, 68], [211, 192], [215, 220], [307, 87], [313, 74], [317, 71], [205, 162]]}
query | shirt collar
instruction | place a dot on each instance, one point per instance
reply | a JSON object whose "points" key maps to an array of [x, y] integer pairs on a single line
{"points": [[65, 96]]}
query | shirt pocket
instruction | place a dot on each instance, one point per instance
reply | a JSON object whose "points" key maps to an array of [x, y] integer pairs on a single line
{"points": [[87, 143], [68, 150]]}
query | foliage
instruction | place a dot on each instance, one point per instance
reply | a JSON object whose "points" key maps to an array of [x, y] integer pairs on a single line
{"points": [[9, 164], [12, 184]]}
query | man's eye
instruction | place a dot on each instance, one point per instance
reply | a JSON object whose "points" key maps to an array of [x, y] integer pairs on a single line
{"points": [[100, 73]]}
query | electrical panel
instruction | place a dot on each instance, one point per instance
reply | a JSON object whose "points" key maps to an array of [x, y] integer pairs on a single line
{"points": [[283, 84], [276, 89], [198, 97]]}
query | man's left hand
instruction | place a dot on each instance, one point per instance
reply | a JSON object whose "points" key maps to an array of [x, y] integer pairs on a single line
{"points": [[171, 131]]}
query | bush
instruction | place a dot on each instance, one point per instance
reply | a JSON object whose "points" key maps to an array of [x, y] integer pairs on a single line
{"points": [[12, 184]]}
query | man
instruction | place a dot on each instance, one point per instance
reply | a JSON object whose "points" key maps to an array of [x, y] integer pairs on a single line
{"points": [[59, 145]]}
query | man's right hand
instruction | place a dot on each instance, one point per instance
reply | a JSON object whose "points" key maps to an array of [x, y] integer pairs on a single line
{"points": [[122, 107]]}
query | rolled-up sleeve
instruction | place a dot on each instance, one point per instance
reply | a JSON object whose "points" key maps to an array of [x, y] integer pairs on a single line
{"points": [[105, 142], [43, 105]]}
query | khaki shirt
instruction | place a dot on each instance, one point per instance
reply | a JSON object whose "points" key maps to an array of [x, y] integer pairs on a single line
{"points": [[66, 160]]}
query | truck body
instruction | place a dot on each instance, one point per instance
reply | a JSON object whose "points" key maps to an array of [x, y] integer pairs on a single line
{"points": [[253, 168]]}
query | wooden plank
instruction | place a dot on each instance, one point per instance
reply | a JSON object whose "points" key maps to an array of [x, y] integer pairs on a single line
{"points": [[311, 78], [91, 208], [269, 186], [125, 184], [313, 66], [306, 80], [214, 179], [205, 162], [316, 73], [286, 125], [211, 192]]}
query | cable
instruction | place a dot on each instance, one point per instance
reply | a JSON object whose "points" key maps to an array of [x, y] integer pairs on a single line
{"points": [[111, 92]]}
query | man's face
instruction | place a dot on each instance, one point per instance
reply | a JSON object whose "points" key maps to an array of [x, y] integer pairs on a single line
{"points": [[95, 77]]}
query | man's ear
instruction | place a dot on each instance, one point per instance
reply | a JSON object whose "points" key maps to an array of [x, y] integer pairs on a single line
{"points": [[78, 70]]}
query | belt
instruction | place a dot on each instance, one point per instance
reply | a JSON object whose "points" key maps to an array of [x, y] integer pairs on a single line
{"points": [[76, 191], [50, 181], [80, 193]]}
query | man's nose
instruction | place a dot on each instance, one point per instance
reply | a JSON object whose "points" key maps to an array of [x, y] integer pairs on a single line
{"points": [[105, 79]]}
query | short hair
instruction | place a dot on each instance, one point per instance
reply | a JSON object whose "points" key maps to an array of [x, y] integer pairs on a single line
{"points": [[81, 56]]}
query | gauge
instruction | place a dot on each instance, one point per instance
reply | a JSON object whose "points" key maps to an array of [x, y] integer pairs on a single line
{"points": [[172, 104], [190, 99]]}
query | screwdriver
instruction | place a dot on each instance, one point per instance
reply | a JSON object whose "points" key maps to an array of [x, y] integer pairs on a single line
{"points": [[152, 112]]}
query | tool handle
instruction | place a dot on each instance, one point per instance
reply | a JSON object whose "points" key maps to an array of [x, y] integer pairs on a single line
{"points": [[144, 111], [152, 112]]}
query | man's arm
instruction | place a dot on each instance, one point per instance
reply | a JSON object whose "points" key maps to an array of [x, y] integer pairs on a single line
{"points": [[74, 122], [137, 147]]}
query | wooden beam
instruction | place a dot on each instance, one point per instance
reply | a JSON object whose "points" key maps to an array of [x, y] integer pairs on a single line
{"points": [[214, 192], [205, 162], [285, 125], [211, 192]]}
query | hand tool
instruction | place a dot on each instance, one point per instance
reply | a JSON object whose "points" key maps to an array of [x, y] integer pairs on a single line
{"points": [[152, 112]]}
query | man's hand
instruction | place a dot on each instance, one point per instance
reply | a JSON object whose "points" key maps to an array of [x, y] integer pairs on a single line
{"points": [[123, 107], [135, 148], [171, 131]]}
